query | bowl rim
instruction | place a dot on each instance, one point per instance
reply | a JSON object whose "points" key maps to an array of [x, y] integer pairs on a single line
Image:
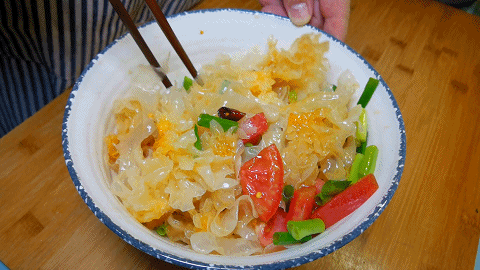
{"points": [[193, 264]]}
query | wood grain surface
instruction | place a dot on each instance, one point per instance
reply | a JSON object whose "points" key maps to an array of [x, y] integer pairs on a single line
{"points": [[429, 55]]}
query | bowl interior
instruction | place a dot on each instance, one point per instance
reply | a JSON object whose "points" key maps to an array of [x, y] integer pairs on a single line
{"points": [[204, 35]]}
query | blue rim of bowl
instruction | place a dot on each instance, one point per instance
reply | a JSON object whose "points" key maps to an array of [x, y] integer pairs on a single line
{"points": [[202, 265]]}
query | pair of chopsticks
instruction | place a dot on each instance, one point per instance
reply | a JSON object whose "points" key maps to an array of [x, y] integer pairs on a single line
{"points": [[167, 30]]}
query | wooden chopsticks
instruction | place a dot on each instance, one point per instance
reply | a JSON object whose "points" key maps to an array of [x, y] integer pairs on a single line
{"points": [[127, 20], [167, 30], [172, 38]]}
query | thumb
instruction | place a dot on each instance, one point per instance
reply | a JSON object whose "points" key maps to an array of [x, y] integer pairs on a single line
{"points": [[299, 11]]}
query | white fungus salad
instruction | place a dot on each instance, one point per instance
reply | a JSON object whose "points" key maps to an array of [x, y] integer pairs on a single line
{"points": [[265, 154]]}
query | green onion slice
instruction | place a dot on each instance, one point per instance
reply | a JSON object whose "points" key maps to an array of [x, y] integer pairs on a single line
{"points": [[368, 92], [361, 134], [362, 147], [198, 142], [204, 121], [292, 96], [162, 230], [285, 238], [354, 171], [224, 87], [187, 83], [330, 189], [287, 193], [303, 228], [369, 161]]}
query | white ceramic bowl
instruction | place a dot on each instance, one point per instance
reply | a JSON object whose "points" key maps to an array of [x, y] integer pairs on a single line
{"points": [[224, 31]]}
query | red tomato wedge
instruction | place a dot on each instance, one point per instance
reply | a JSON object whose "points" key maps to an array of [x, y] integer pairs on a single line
{"points": [[302, 203], [278, 223], [262, 178], [347, 201], [254, 127], [319, 185]]}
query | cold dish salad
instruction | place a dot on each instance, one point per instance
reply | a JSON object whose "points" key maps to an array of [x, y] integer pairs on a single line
{"points": [[265, 154]]}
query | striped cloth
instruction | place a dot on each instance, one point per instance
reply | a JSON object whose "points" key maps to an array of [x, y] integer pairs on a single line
{"points": [[45, 45]]}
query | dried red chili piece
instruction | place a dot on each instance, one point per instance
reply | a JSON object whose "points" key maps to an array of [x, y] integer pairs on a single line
{"points": [[230, 114]]}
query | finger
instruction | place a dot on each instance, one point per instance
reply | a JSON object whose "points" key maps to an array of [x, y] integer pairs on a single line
{"points": [[317, 17], [265, 3], [336, 14], [299, 11], [273, 6]]}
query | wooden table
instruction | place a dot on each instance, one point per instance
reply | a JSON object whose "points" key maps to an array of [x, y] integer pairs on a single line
{"points": [[428, 53]]}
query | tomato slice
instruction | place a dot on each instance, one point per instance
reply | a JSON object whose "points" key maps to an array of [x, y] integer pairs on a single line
{"points": [[254, 127], [262, 178], [319, 185], [278, 223], [302, 203], [347, 201]]}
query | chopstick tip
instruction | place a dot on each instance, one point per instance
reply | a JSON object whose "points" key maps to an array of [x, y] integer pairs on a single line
{"points": [[199, 80]]}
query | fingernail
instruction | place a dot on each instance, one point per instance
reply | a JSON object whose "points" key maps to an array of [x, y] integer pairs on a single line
{"points": [[299, 14]]}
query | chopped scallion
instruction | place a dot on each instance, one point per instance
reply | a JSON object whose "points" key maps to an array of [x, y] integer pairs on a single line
{"points": [[362, 147], [369, 161], [187, 83], [292, 96], [204, 121], [285, 238], [361, 124], [368, 92], [330, 189], [287, 193], [354, 175], [224, 87], [162, 230], [303, 228], [198, 142]]}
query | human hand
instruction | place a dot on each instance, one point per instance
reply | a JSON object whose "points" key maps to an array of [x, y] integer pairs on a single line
{"points": [[328, 15]]}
